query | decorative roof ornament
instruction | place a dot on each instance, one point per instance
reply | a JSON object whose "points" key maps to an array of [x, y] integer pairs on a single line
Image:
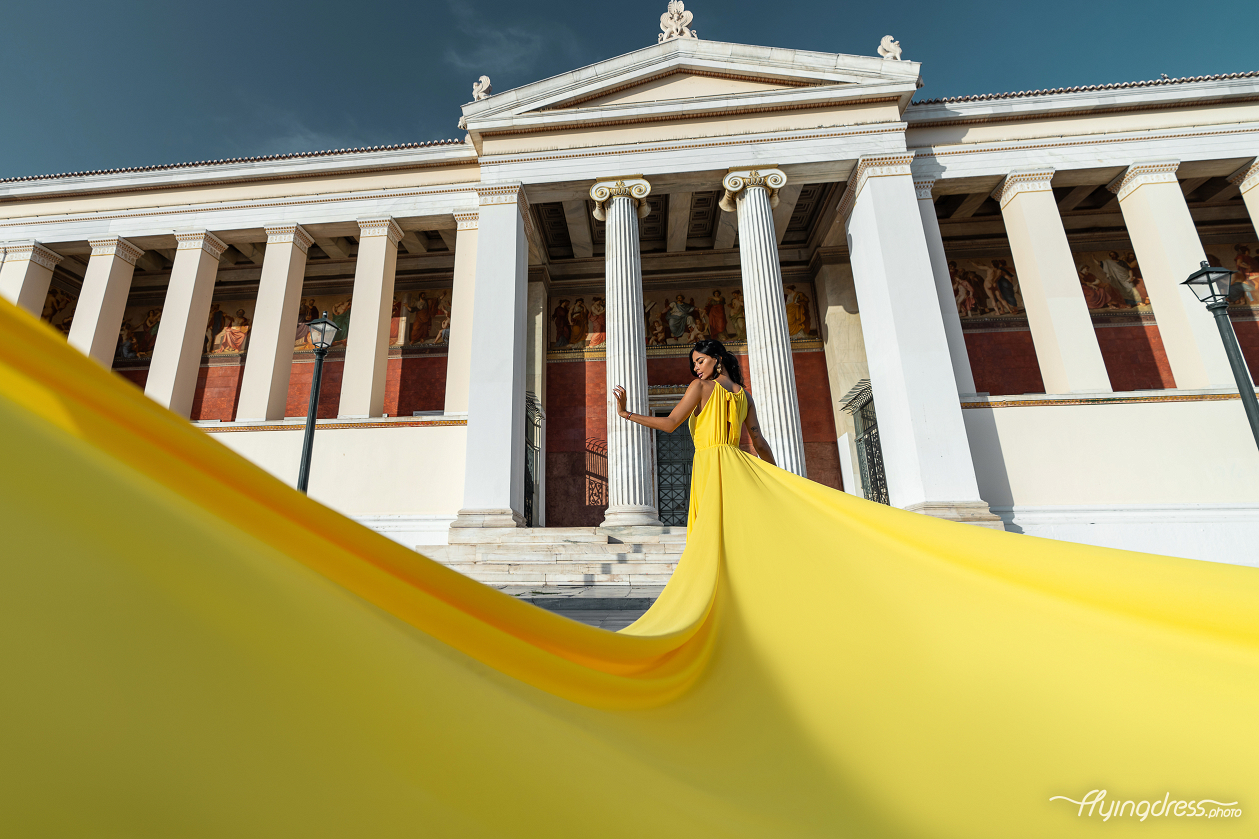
{"points": [[889, 49], [676, 23], [481, 89]]}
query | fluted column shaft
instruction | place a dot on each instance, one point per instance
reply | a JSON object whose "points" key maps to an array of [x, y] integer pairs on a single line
{"points": [[773, 382], [631, 458]]}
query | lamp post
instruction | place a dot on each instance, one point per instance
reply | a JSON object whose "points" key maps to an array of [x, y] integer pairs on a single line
{"points": [[322, 333], [1215, 287]]}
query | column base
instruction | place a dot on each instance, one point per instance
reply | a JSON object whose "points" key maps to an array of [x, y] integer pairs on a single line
{"points": [[631, 515], [963, 512], [487, 518]]}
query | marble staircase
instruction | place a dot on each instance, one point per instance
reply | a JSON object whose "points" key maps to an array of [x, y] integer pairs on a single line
{"points": [[563, 556]]}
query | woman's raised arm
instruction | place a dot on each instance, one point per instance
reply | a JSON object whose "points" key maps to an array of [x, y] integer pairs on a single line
{"points": [[690, 401]]}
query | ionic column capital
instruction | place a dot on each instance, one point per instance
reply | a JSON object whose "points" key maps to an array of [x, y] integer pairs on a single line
{"points": [[34, 252], [1139, 174], [1018, 182], [383, 226], [875, 166], [467, 221], [736, 181], [200, 240], [634, 187], [290, 234], [1247, 177], [923, 187]]}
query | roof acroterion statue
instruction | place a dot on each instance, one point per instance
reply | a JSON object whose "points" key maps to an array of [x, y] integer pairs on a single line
{"points": [[676, 23]]}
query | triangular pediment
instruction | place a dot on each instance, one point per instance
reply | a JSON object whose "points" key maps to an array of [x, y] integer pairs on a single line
{"points": [[692, 77], [677, 85]]}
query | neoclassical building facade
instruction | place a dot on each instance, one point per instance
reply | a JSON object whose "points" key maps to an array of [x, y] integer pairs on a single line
{"points": [[969, 308]]}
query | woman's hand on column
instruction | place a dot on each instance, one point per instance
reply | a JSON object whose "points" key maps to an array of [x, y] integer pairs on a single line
{"points": [[618, 393]]}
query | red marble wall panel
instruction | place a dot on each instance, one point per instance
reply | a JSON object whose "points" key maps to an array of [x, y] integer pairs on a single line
{"points": [[1003, 362], [298, 402], [1248, 337], [1134, 357], [415, 384], [218, 391], [137, 376]]}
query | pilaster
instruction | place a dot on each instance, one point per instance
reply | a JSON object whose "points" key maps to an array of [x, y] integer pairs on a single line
{"points": [[172, 380], [1247, 181], [459, 357], [98, 313], [26, 273], [1062, 331], [367, 345], [958, 355], [493, 494], [926, 455], [1168, 249], [269, 363], [631, 461], [752, 194]]}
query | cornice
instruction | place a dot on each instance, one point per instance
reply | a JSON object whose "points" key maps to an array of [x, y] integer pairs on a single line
{"points": [[290, 234], [467, 220], [1018, 182], [878, 166], [1140, 174], [923, 187], [34, 252], [200, 240]]}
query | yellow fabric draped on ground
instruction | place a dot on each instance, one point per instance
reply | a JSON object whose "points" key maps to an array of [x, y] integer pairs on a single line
{"points": [[192, 650]]}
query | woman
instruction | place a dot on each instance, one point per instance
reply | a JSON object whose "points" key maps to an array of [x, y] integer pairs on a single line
{"points": [[716, 406]]}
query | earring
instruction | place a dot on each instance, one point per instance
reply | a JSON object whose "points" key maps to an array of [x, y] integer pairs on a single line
{"points": [[717, 372]]}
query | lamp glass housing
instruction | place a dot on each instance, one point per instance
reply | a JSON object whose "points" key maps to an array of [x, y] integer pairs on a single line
{"points": [[1211, 284], [323, 332]]}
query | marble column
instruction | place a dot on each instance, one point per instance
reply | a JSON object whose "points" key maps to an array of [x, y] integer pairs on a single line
{"points": [[926, 455], [1168, 250], [26, 274], [264, 386], [944, 287], [367, 347], [752, 194], [1247, 181], [98, 313], [620, 203], [459, 350], [494, 471], [1067, 351], [172, 381]]}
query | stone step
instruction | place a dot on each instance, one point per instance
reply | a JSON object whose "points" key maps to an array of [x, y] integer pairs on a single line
{"points": [[525, 549], [567, 573], [598, 535]]}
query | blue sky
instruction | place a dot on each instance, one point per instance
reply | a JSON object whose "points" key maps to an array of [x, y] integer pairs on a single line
{"points": [[94, 85]]}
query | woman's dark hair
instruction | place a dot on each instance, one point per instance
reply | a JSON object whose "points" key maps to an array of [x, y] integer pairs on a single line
{"points": [[716, 349]]}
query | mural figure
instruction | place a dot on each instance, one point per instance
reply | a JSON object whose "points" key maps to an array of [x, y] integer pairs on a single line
{"points": [[1099, 294], [963, 291], [1001, 288], [443, 334], [797, 312], [1138, 281], [679, 313], [147, 339], [55, 304], [424, 310], [1247, 276], [577, 318], [598, 323], [738, 321], [560, 318], [127, 345], [1119, 274], [214, 326], [234, 335], [340, 315], [716, 312]]}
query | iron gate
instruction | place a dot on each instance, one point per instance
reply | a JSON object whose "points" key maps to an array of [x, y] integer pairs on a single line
{"points": [[674, 453], [860, 403], [533, 449]]}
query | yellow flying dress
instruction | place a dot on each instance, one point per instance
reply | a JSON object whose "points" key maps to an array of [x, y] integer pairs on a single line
{"points": [[193, 651]]}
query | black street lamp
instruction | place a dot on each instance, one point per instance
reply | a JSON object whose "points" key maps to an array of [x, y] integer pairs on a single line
{"points": [[322, 333], [1215, 287]]}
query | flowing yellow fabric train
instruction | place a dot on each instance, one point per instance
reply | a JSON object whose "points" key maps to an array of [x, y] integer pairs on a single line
{"points": [[189, 655]]}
